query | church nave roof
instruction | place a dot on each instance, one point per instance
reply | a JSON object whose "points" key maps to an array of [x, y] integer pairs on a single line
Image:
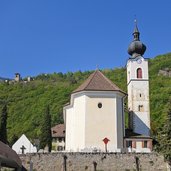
{"points": [[98, 82]]}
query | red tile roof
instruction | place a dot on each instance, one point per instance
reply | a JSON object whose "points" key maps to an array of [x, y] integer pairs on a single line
{"points": [[58, 130], [98, 82]]}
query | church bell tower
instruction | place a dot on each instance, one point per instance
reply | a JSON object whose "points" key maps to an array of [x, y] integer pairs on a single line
{"points": [[138, 86]]}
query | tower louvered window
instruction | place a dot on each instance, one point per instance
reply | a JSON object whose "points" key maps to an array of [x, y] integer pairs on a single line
{"points": [[139, 73]]}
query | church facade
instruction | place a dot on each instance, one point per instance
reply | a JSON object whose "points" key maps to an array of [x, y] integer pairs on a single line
{"points": [[95, 119], [95, 112]]}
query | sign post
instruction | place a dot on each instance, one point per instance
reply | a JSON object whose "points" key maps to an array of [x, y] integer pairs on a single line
{"points": [[106, 140]]}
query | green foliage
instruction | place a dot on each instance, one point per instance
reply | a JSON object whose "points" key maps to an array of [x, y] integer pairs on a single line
{"points": [[13, 139], [164, 137], [46, 136], [160, 91], [26, 101], [3, 125]]}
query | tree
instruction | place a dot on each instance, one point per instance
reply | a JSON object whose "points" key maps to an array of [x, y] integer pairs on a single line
{"points": [[3, 125], [46, 135], [13, 139], [164, 137]]}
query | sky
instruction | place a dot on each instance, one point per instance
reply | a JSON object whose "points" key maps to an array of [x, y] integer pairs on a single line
{"points": [[47, 36]]}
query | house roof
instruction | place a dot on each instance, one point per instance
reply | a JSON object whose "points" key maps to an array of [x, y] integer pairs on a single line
{"points": [[22, 139], [9, 157], [132, 135], [58, 131], [98, 82]]}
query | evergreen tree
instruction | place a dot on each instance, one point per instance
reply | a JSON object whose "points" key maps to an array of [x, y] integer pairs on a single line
{"points": [[13, 140], [3, 125], [46, 136], [164, 137]]}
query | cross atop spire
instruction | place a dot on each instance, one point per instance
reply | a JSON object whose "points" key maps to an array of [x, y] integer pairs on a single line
{"points": [[97, 67], [136, 32]]}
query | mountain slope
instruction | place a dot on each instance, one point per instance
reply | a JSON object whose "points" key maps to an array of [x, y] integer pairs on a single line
{"points": [[27, 101]]}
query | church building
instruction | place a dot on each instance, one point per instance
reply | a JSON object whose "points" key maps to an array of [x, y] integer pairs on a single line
{"points": [[95, 117]]}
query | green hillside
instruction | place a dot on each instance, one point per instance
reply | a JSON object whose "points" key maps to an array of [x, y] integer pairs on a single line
{"points": [[27, 101]]}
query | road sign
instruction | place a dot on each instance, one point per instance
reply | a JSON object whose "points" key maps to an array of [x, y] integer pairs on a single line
{"points": [[106, 140]]}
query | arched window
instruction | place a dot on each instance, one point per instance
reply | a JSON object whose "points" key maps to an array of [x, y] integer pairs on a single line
{"points": [[139, 73]]}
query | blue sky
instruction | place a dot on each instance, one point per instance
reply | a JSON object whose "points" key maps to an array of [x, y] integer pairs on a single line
{"points": [[46, 36]]}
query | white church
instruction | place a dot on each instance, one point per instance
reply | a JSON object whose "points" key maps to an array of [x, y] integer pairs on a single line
{"points": [[95, 117]]}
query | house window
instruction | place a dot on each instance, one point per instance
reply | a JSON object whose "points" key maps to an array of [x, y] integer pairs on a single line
{"points": [[145, 144], [60, 148], [133, 144], [139, 73], [149, 144], [54, 140], [99, 105], [129, 143], [140, 108], [60, 139]]}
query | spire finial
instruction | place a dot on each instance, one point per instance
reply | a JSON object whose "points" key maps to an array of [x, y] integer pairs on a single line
{"points": [[136, 48], [97, 67], [135, 20], [136, 33]]}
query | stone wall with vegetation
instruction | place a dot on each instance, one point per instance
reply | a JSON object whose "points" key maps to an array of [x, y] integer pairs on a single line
{"points": [[94, 162]]}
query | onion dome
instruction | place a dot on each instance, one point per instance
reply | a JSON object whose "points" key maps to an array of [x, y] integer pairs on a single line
{"points": [[136, 48]]}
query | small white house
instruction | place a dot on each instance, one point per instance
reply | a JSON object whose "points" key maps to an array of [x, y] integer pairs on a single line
{"points": [[23, 146]]}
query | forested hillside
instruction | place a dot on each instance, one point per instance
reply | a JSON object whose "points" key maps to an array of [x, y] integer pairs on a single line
{"points": [[26, 102]]}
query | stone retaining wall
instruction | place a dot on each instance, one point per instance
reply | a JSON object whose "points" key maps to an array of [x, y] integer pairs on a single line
{"points": [[94, 162]]}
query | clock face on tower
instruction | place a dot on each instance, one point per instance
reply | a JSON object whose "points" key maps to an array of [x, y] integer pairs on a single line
{"points": [[139, 61]]}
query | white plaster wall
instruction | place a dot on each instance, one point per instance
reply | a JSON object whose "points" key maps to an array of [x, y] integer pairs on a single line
{"points": [[79, 111], [75, 125], [103, 122], [87, 125], [135, 88], [132, 67], [139, 148], [120, 122], [69, 132], [141, 119]]}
